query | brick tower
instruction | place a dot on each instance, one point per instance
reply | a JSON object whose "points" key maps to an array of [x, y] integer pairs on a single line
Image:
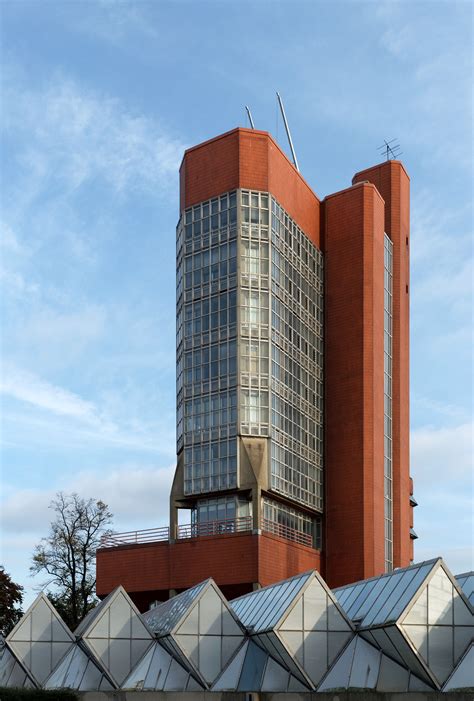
{"points": [[292, 378]]}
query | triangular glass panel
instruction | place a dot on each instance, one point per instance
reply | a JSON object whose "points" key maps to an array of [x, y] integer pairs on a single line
{"points": [[229, 678], [462, 677], [339, 674]]}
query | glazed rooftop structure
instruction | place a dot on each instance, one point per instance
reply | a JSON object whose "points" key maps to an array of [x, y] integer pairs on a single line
{"points": [[407, 631]]}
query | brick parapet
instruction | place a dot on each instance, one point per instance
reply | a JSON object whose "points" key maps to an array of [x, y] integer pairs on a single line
{"points": [[232, 560], [251, 159]]}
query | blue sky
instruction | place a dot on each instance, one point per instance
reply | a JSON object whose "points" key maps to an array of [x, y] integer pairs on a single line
{"points": [[98, 101]]}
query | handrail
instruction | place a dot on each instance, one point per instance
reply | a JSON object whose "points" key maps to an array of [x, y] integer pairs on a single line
{"points": [[149, 535], [208, 528], [220, 527], [286, 532]]}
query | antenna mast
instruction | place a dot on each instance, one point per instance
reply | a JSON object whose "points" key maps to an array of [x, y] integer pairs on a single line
{"points": [[390, 152], [282, 109], [252, 125]]}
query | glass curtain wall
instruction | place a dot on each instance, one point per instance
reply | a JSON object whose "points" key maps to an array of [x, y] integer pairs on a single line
{"points": [[249, 345], [388, 487], [207, 344], [297, 362]]}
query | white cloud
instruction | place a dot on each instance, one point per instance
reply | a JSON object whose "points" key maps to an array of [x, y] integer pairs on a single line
{"points": [[442, 264], [59, 332], [59, 418], [75, 136], [138, 496], [9, 242], [442, 453], [441, 464], [27, 387], [458, 559], [115, 21], [438, 407]]}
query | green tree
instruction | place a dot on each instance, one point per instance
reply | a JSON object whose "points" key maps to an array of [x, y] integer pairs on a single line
{"points": [[11, 598], [67, 554]]}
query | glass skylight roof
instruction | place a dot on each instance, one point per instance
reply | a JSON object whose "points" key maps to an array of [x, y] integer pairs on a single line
{"points": [[466, 582], [159, 671], [93, 614], [162, 619], [262, 609], [77, 670], [381, 600], [463, 676], [12, 672], [415, 630]]}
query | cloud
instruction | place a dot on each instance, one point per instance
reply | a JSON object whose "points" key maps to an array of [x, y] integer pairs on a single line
{"points": [[441, 460], [51, 330], [115, 20], [438, 407], [67, 134], [27, 387], [442, 265], [138, 496], [458, 559], [9, 242], [442, 451], [60, 418]]}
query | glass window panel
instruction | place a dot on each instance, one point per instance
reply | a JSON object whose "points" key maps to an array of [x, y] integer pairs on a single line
{"points": [[440, 599], [381, 607], [252, 669]]}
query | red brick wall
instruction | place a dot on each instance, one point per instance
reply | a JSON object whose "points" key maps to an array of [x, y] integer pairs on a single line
{"points": [[251, 159], [393, 183], [354, 394], [233, 561], [278, 559]]}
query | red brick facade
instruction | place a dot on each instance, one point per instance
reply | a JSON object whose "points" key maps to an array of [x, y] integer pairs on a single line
{"points": [[237, 562], [348, 227], [354, 377], [393, 183], [246, 158]]}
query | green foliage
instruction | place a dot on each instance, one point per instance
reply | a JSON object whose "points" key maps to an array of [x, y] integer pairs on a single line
{"points": [[67, 554], [11, 597]]}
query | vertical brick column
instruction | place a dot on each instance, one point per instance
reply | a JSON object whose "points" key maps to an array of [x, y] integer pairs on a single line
{"points": [[354, 384], [393, 183]]}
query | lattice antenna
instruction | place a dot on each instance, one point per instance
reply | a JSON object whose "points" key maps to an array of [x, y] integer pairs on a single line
{"points": [[390, 149], [249, 115]]}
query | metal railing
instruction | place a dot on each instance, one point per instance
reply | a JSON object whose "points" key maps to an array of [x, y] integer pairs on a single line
{"points": [[209, 528], [229, 525], [287, 532], [193, 530], [150, 535]]}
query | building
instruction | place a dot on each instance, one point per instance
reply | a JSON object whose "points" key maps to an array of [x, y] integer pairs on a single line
{"points": [[292, 379], [410, 630]]}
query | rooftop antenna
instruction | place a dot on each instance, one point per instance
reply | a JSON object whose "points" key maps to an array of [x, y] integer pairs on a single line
{"points": [[282, 109], [390, 151], [249, 114]]}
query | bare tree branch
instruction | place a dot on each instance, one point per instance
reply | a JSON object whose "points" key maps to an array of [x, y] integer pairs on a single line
{"points": [[67, 554]]}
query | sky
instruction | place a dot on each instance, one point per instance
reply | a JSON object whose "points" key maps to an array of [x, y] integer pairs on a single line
{"points": [[99, 99]]}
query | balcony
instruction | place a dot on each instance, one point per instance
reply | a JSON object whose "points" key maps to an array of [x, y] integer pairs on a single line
{"points": [[151, 566], [241, 524]]}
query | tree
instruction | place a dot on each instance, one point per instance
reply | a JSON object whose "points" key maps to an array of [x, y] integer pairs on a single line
{"points": [[11, 597], [67, 554]]}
